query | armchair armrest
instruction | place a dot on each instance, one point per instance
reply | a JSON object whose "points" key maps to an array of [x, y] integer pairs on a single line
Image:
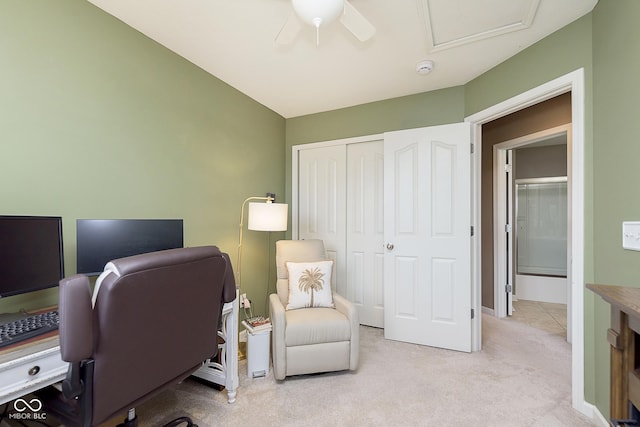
{"points": [[76, 314], [76, 330], [347, 308], [279, 324], [229, 287]]}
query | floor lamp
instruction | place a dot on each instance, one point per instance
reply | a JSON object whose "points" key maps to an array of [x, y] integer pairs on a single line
{"points": [[266, 216]]}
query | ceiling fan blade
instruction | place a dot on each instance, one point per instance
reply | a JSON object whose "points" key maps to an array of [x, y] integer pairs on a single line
{"points": [[289, 30], [356, 23]]}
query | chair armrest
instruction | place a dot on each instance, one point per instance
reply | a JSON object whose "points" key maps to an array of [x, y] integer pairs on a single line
{"points": [[229, 286], [76, 319], [347, 308], [278, 326]]}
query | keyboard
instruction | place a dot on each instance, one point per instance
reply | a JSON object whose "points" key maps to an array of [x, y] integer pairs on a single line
{"points": [[28, 327]]}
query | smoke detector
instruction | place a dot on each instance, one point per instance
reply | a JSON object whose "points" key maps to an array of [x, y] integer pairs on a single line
{"points": [[424, 67]]}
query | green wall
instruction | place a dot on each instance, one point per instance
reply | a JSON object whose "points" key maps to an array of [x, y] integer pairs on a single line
{"points": [[566, 50], [616, 150], [98, 121]]}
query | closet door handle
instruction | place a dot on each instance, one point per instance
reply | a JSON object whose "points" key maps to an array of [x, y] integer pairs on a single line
{"points": [[390, 246]]}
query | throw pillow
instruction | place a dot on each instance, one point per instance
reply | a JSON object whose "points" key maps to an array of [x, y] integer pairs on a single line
{"points": [[310, 284]]}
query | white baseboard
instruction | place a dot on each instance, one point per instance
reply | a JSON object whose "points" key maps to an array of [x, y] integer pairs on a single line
{"points": [[594, 414], [487, 310]]}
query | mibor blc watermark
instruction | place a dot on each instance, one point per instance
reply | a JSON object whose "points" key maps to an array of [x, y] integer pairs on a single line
{"points": [[28, 410]]}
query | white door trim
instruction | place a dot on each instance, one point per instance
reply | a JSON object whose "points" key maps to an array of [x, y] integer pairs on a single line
{"points": [[572, 82]]}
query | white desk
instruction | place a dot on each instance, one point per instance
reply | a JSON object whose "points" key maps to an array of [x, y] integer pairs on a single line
{"points": [[35, 365], [226, 372], [30, 367]]}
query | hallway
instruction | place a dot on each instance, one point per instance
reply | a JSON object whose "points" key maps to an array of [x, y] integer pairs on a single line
{"points": [[546, 316]]}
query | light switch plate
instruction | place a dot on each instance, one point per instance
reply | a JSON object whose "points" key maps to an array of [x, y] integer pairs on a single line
{"points": [[631, 235]]}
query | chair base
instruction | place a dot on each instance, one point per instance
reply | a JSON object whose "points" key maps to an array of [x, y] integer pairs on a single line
{"points": [[179, 421], [133, 422]]}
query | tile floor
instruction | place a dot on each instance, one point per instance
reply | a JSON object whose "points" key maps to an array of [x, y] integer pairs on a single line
{"points": [[547, 316]]}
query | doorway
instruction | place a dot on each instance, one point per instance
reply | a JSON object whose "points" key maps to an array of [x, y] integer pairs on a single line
{"points": [[574, 84], [532, 210]]}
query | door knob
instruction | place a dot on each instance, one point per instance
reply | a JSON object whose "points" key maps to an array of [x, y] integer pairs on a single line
{"points": [[390, 246]]}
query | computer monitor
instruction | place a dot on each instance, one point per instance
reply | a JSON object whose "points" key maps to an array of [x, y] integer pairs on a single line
{"points": [[31, 253], [102, 240]]}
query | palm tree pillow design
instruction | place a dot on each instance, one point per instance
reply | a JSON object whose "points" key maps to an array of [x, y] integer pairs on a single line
{"points": [[310, 284]]}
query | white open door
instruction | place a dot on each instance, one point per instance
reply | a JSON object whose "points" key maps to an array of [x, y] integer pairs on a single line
{"points": [[503, 232], [427, 216]]}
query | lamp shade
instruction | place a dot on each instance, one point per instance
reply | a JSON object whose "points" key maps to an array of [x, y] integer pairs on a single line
{"points": [[316, 12], [268, 216]]}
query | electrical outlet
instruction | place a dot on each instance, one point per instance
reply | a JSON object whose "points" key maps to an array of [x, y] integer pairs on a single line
{"points": [[244, 301]]}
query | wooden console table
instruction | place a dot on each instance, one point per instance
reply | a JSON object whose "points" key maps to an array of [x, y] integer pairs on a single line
{"points": [[623, 338]]}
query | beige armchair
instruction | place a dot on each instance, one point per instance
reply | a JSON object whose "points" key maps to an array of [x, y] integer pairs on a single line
{"points": [[310, 340]]}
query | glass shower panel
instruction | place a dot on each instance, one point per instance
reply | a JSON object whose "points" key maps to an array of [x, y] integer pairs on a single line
{"points": [[541, 226]]}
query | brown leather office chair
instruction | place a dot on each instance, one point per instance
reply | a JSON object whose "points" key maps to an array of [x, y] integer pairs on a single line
{"points": [[152, 322]]}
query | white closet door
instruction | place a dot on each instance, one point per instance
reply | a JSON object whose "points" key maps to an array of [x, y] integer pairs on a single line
{"points": [[322, 204], [365, 231], [427, 236]]}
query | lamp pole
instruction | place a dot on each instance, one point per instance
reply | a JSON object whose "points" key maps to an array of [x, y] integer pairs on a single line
{"points": [[268, 199]]}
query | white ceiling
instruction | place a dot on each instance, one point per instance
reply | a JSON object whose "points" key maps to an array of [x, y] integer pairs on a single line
{"points": [[234, 40]]}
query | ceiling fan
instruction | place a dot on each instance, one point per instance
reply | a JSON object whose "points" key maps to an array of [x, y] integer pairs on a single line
{"points": [[322, 12]]}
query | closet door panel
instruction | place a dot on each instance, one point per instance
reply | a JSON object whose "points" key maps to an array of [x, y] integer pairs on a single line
{"points": [[365, 230], [321, 204]]}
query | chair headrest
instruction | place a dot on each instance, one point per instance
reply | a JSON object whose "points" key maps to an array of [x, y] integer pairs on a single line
{"points": [[297, 251]]}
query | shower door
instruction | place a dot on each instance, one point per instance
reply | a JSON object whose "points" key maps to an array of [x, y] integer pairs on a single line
{"points": [[541, 239]]}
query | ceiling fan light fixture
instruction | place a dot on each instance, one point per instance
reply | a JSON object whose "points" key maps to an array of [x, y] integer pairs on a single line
{"points": [[317, 12]]}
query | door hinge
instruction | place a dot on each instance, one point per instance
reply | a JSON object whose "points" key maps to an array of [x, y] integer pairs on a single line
{"points": [[507, 228], [472, 231], [507, 168], [473, 313], [473, 148], [508, 288]]}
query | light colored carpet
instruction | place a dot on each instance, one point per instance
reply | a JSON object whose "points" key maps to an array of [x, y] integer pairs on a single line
{"points": [[520, 378]]}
